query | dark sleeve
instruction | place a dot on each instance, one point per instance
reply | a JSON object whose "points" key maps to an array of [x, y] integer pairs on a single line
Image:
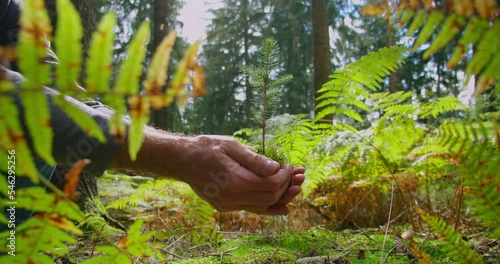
{"points": [[71, 143], [9, 17]]}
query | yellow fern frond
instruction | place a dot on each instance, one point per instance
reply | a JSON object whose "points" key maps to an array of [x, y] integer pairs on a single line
{"points": [[476, 22]]}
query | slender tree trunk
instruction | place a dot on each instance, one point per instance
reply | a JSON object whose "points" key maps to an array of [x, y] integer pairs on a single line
{"points": [[246, 57], [88, 13], [161, 118], [439, 66], [321, 46], [392, 83]]}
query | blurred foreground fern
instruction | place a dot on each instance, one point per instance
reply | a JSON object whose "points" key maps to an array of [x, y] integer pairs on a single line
{"points": [[43, 236]]}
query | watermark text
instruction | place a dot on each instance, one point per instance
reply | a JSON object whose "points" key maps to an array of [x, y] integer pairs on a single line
{"points": [[11, 203]]}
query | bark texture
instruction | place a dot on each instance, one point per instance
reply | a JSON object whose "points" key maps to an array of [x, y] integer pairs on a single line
{"points": [[87, 185], [321, 46], [161, 118]]}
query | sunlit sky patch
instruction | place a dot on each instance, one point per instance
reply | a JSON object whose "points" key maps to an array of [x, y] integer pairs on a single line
{"points": [[196, 16]]}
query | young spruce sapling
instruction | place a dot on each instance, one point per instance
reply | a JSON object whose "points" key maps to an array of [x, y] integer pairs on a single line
{"points": [[267, 87]]}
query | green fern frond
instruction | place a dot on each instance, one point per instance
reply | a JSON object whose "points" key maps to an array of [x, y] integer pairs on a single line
{"points": [[449, 133], [167, 193], [12, 134], [100, 56], [442, 105], [47, 231], [400, 110], [144, 193], [428, 29], [349, 87], [69, 46], [482, 175], [451, 27], [453, 243], [472, 34], [134, 245], [296, 142], [384, 100], [420, 255], [37, 235], [32, 51], [475, 147], [131, 69], [111, 254], [403, 133]]}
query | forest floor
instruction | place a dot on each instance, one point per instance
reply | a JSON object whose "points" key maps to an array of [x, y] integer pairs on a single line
{"points": [[269, 242]]}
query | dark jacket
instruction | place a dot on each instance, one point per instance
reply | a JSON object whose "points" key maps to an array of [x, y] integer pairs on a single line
{"points": [[70, 142]]}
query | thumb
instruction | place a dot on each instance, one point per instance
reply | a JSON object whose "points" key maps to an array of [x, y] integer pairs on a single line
{"points": [[256, 163]]}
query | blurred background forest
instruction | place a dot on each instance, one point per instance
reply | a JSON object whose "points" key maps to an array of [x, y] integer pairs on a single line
{"points": [[234, 35]]}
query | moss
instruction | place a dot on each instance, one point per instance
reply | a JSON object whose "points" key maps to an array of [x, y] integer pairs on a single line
{"points": [[205, 260], [97, 222], [354, 246], [273, 151]]}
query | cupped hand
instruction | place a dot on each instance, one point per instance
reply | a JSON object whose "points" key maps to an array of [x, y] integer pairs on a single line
{"points": [[231, 177]]}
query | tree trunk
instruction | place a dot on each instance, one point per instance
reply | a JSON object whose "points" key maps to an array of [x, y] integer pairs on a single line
{"points": [[246, 56], [87, 185], [321, 47], [161, 118], [392, 83], [88, 14]]}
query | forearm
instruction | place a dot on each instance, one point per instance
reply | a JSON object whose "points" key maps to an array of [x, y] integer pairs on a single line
{"points": [[219, 169], [162, 154]]}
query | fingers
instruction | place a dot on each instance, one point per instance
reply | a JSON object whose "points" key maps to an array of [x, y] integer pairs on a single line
{"points": [[270, 210], [258, 164], [243, 180], [289, 195], [233, 200], [275, 190], [299, 170], [298, 179], [278, 182], [294, 190], [277, 209]]}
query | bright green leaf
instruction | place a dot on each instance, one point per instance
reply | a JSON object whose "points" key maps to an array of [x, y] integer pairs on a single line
{"points": [[100, 55], [451, 27], [37, 116], [131, 68], [69, 46], [430, 26]]}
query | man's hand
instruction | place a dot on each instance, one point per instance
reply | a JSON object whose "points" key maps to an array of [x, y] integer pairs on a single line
{"points": [[235, 178], [221, 170]]}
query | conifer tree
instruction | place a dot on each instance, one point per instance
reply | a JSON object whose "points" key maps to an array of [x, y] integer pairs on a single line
{"points": [[232, 39]]}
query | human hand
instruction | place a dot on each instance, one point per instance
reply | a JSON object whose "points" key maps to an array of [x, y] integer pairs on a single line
{"points": [[220, 170], [294, 190], [230, 177]]}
